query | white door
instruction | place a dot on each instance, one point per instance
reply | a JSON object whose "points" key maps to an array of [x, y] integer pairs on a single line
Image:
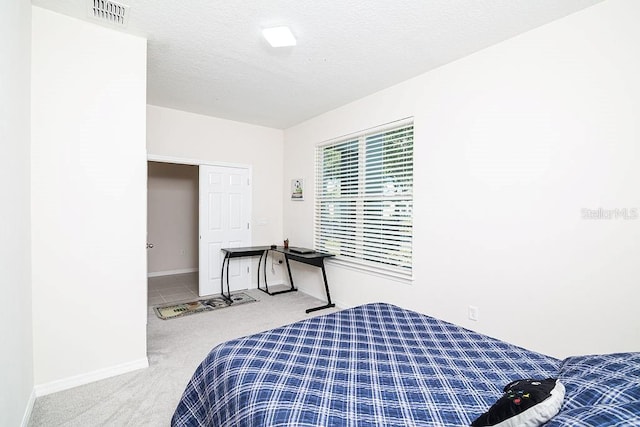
{"points": [[225, 211]]}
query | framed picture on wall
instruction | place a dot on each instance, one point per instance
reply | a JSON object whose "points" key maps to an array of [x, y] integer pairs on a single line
{"points": [[297, 189]]}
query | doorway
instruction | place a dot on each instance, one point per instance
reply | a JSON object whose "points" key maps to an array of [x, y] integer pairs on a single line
{"points": [[172, 218], [193, 211], [172, 232]]}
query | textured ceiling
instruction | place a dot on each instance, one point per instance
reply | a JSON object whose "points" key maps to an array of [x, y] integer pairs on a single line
{"points": [[208, 56]]}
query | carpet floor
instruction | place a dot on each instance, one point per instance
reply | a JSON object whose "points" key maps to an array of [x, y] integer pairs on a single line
{"points": [[175, 348]]}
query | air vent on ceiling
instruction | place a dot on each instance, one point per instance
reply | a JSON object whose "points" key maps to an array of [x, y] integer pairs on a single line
{"points": [[109, 11]]}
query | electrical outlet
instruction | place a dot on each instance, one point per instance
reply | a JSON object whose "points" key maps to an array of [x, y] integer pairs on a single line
{"points": [[473, 313]]}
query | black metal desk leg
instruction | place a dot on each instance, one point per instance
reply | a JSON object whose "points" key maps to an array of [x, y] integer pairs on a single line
{"points": [[286, 258], [228, 296], [225, 259], [260, 261], [222, 274], [329, 304], [326, 286], [266, 258]]}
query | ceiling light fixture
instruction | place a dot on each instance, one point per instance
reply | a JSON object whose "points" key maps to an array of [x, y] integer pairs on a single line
{"points": [[279, 36]]}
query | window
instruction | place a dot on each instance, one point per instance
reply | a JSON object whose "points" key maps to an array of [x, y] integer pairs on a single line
{"points": [[364, 198]]}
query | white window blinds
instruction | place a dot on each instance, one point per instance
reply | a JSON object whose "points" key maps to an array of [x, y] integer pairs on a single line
{"points": [[364, 198]]}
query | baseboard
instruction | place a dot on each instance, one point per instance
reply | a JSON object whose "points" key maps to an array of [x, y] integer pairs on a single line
{"points": [[27, 412], [89, 377], [172, 272], [322, 297], [270, 283]]}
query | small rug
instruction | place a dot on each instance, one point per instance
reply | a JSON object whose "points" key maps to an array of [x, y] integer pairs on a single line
{"points": [[180, 309]]}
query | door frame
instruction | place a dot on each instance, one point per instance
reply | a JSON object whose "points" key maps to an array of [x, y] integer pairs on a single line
{"points": [[196, 162]]}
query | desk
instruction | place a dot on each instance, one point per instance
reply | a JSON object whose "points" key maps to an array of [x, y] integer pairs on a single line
{"points": [[266, 284], [315, 259], [237, 253]]}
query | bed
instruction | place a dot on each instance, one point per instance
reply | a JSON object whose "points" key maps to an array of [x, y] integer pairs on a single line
{"points": [[379, 364]]}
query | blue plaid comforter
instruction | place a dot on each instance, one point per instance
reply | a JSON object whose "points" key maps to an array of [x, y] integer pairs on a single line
{"points": [[375, 364]]}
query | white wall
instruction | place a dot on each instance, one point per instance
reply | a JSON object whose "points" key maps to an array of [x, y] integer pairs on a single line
{"points": [[180, 134], [16, 357], [88, 200], [510, 144], [172, 218]]}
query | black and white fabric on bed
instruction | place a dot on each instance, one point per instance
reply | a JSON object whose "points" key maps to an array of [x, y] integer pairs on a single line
{"points": [[375, 364]]}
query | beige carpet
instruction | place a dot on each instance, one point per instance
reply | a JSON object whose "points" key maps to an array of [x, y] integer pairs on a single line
{"points": [[149, 396]]}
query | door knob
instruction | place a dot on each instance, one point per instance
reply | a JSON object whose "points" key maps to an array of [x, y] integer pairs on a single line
{"points": [[149, 245]]}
